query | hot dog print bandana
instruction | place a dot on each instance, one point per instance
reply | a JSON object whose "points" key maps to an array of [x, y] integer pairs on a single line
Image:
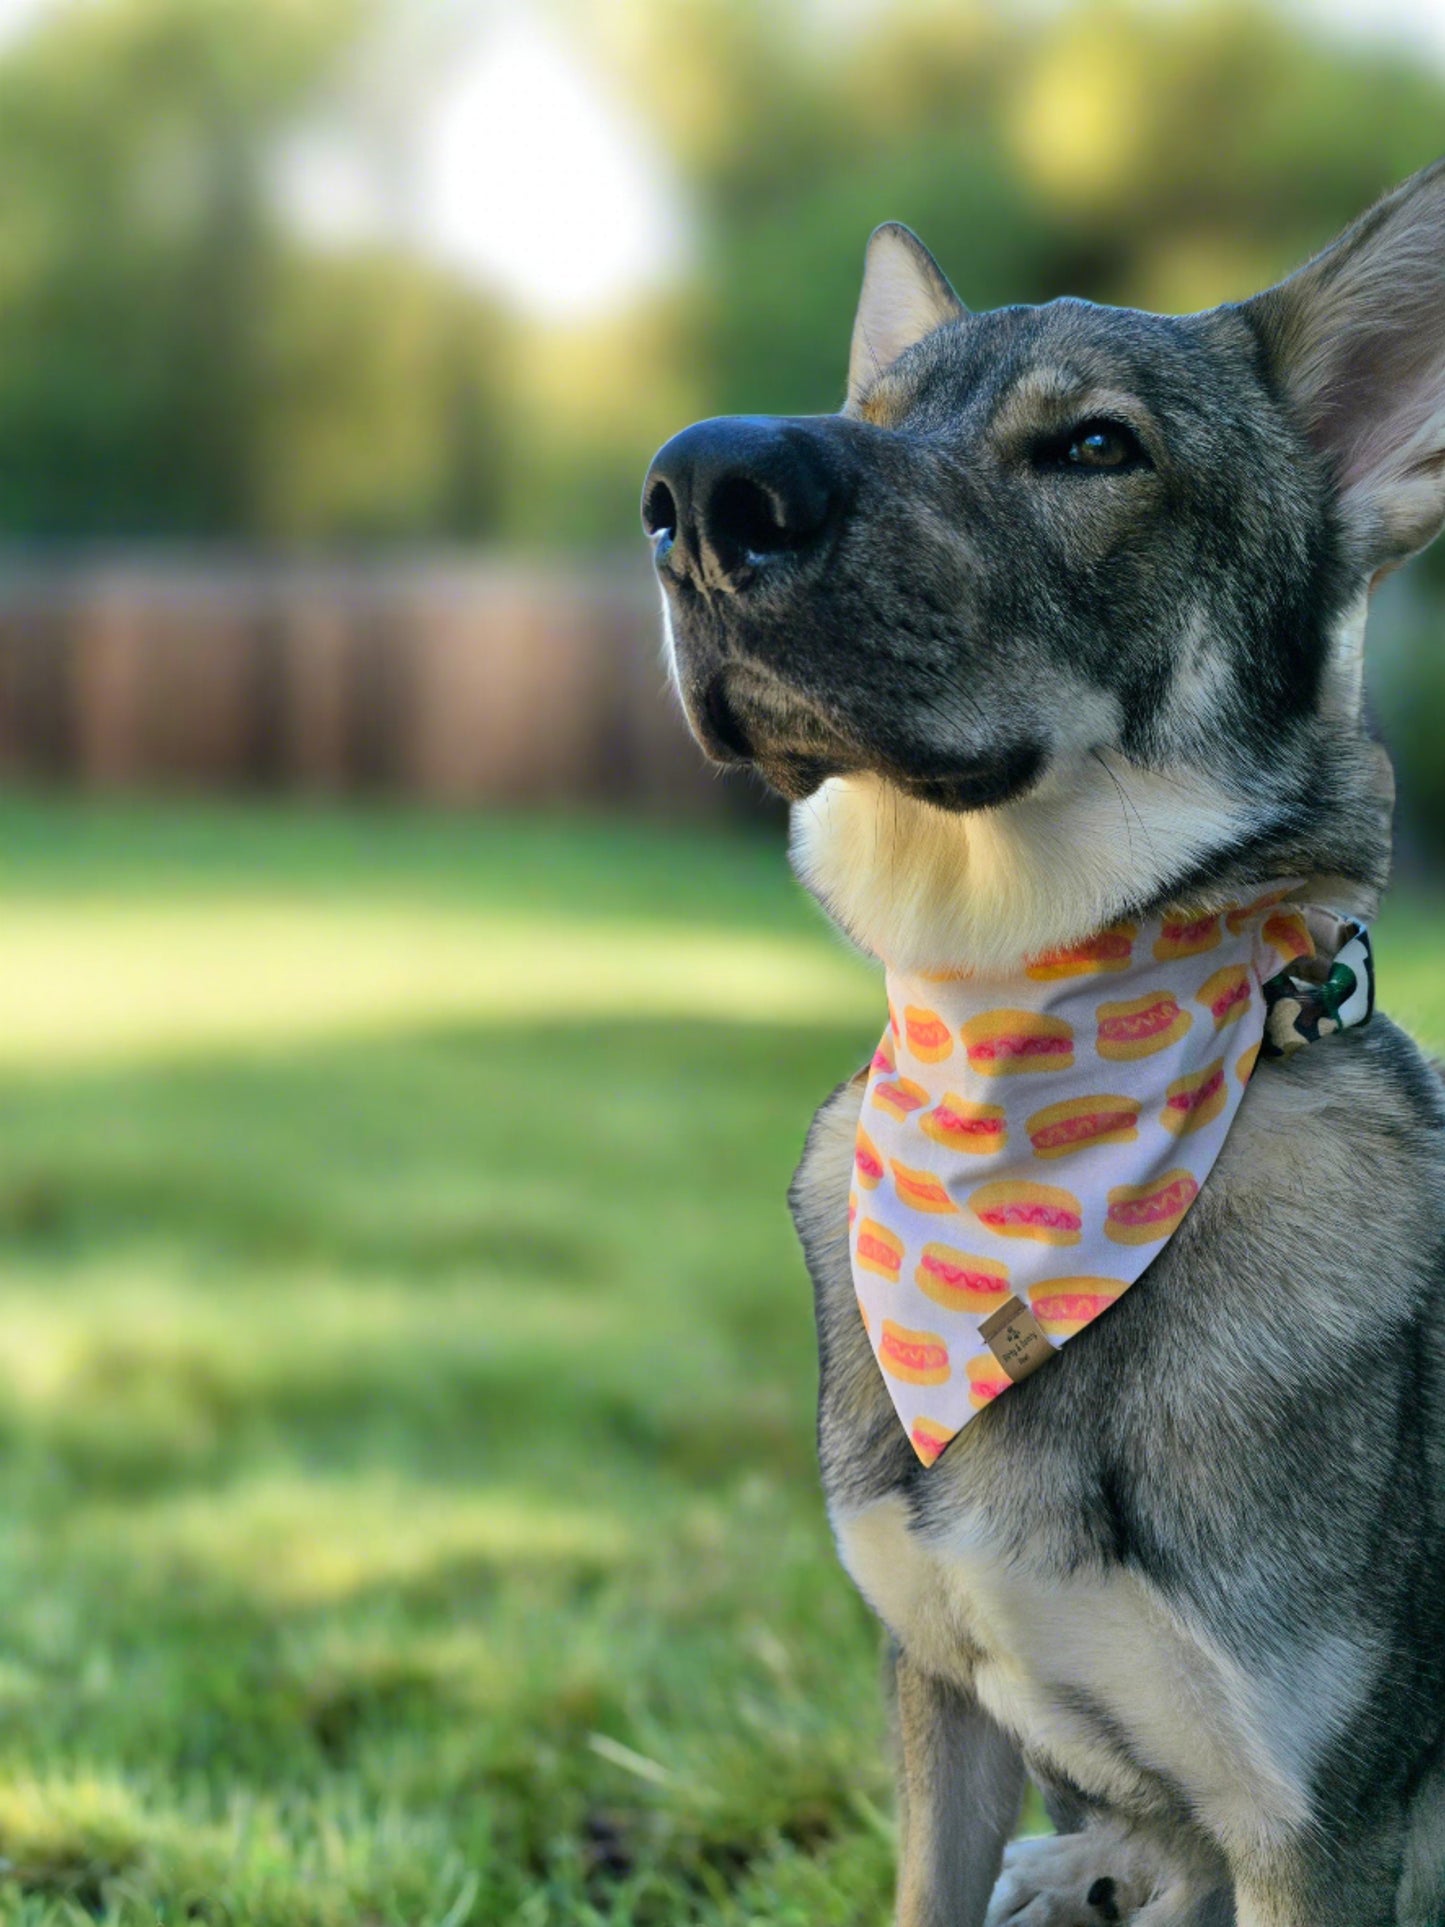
{"points": [[1028, 1145]]}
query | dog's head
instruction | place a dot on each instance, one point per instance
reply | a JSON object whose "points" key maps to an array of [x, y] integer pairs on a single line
{"points": [[1061, 616]]}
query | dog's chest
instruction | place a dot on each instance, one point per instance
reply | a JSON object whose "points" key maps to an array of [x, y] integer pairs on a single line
{"points": [[1095, 1675]]}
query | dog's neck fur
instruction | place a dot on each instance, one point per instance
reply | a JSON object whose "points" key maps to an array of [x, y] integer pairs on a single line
{"points": [[933, 889], [929, 889]]}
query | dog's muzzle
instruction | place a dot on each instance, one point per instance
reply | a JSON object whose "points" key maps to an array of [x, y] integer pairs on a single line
{"points": [[729, 500], [741, 512], [751, 519]]}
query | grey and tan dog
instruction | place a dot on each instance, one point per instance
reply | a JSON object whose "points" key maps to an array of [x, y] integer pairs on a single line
{"points": [[1058, 621]]}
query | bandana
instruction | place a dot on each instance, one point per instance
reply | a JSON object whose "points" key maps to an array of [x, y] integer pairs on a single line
{"points": [[1028, 1145]]}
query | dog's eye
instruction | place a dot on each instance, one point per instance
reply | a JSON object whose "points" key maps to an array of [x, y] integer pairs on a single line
{"points": [[1094, 444], [1103, 445]]}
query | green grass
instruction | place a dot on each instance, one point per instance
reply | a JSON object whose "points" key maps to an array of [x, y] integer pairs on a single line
{"points": [[407, 1501]]}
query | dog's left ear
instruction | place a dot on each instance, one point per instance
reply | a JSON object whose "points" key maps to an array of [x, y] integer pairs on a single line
{"points": [[1357, 339], [905, 297]]}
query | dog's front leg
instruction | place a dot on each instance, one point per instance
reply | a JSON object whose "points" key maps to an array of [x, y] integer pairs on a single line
{"points": [[960, 1785]]}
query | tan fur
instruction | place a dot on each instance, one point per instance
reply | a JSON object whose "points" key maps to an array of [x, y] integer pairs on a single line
{"points": [[933, 889]]}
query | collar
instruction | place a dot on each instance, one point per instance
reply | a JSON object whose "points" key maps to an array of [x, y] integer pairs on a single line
{"points": [[1028, 1145]]}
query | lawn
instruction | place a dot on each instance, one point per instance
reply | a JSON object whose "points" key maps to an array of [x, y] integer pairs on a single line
{"points": [[407, 1505]]}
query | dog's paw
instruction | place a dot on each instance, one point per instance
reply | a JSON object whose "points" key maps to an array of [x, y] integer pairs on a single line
{"points": [[1064, 1880], [1097, 1878]]}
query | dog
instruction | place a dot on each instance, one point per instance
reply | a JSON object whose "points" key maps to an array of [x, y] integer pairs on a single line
{"points": [[1059, 622]]}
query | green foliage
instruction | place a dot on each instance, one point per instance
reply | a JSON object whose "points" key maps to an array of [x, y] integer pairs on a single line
{"points": [[171, 364], [1408, 696], [379, 412], [174, 362]]}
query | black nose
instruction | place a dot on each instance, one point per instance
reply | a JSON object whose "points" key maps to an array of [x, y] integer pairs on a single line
{"points": [[728, 497]]}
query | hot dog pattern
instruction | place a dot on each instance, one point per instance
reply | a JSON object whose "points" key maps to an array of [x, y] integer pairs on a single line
{"points": [[1019, 1208], [962, 1280], [897, 1095], [1185, 934], [867, 1160], [1027, 1145], [986, 1379], [1287, 934], [1194, 1100], [1225, 995], [1010, 1043], [920, 1190], [1236, 919], [1147, 1214], [915, 1357], [1064, 1306], [876, 1248], [929, 1037], [1139, 1026], [1111, 949], [961, 1125], [1061, 1129], [929, 1438]]}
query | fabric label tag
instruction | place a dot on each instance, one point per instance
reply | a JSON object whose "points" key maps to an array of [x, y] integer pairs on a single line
{"points": [[1014, 1337]]}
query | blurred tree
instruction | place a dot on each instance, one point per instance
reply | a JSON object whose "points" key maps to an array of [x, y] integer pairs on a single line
{"points": [[382, 415], [177, 360], [172, 362]]}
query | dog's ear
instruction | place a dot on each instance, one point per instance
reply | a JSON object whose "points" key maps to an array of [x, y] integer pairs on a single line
{"points": [[905, 297], [1357, 339]]}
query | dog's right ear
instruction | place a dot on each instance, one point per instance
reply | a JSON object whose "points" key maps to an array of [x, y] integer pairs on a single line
{"points": [[905, 297], [1357, 340]]}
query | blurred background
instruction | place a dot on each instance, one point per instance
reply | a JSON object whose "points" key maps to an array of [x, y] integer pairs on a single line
{"points": [[407, 1499]]}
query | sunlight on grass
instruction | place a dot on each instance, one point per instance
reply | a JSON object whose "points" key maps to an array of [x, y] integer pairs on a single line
{"points": [[97, 981], [308, 1542], [141, 1330], [93, 1845], [58, 1833]]}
